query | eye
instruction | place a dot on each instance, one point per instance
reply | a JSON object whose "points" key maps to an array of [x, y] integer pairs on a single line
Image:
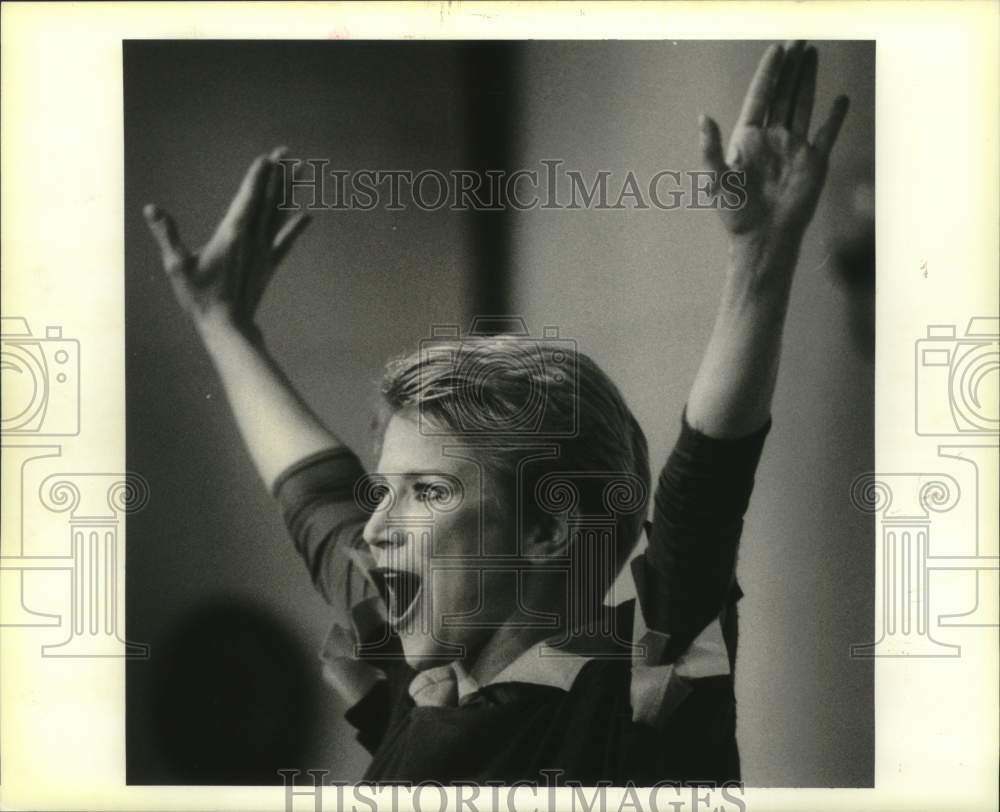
{"points": [[437, 493], [431, 491]]}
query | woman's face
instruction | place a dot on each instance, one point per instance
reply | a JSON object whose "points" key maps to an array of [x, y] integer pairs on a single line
{"points": [[438, 524]]}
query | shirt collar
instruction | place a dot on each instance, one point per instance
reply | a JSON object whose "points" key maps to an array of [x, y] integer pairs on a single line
{"points": [[541, 664]]}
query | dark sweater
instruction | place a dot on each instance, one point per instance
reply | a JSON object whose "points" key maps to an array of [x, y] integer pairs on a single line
{"points": [[513, 731]]}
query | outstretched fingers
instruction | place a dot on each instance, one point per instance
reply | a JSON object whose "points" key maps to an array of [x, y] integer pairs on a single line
{"points": [[164, 230], [761, 91], [785, 91], [286, 237], [275, 191], [711, 144], [711, 149], [806, 94], [243, 209], [282, 244], [288, 193], [826, 136]]}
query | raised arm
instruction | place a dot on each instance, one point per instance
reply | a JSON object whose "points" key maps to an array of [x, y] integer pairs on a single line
{"points": [[784, 175], [303, 464], [220, 287], [704, 489]]}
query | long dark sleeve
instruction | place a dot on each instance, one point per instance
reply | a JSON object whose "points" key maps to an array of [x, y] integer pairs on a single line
{"points": [[702, 494]]}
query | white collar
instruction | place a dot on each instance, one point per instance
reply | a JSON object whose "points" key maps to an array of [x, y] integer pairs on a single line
{"points": [[543, 665]]}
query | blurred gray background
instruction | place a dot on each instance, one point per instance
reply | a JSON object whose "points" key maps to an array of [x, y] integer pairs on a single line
{"points": [[232, 690]]}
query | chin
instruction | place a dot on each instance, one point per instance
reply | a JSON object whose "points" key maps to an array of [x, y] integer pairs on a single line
{"points": [[425, 644]]}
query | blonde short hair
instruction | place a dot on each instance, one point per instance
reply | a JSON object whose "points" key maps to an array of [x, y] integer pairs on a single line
{"points": [[507, 394]]}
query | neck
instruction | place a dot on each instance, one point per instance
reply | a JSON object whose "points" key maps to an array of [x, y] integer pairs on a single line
{"points": [[518, 634]]}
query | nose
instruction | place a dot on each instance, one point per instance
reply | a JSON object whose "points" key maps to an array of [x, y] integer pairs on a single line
{"points": [[381, 538], [374, 533], [377, 498]]}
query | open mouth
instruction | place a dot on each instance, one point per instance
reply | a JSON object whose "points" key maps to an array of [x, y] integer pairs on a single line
{"points": [[403, 588]]}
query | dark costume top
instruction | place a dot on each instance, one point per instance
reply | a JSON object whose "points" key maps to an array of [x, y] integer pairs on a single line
{"points": [[665, 711]]}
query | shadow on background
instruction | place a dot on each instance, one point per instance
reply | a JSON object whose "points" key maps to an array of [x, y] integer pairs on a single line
{"points": [[854, 259], [232, 696]]}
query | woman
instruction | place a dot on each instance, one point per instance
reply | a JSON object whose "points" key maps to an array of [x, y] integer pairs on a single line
{"points": [[496, 616]]}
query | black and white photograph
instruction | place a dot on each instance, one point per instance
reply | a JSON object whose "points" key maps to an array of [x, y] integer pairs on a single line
{"points": [[558, 406], [478, 369]]}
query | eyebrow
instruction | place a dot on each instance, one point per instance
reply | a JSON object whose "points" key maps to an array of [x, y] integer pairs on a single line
{"points": [[416, 474]]}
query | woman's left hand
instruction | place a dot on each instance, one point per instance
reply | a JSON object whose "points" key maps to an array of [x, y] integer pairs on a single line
{"points": [[784, 171]]}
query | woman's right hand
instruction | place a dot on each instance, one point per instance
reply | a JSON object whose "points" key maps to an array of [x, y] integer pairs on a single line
{"points": [[227, 277]]}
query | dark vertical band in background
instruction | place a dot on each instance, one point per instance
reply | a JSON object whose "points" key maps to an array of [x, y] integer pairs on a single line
{"points": [[491, 70]]}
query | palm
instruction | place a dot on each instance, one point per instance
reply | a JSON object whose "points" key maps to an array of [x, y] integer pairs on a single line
{"points": [[783, 178], [783, 172], [222, 268], [232, 270]]}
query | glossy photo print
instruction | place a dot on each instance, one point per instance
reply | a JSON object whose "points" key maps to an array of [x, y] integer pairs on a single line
{"points": [[558, 407], [502, 403]]}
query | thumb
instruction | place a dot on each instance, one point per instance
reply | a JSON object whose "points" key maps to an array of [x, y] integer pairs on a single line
{"points": [[711, 145], [289, 232], [164, 231]]}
